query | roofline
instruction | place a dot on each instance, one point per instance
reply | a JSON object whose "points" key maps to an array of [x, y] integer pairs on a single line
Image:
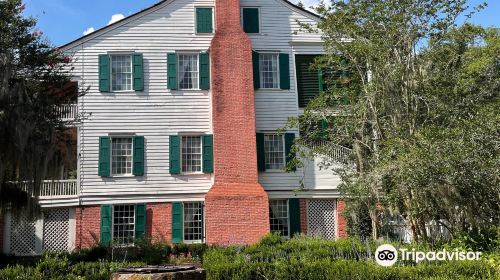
{"points": [[158, 4], [302, 9], [114, 23]]}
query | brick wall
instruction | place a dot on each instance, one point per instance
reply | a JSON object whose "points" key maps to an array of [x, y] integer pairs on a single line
{"points": [[159, 221], [87, 226], [236, 207], [341, 221], [303, 215], [236, 214]]}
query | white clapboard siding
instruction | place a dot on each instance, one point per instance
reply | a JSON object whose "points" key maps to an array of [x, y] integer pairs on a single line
{"points": [[157, 112]]}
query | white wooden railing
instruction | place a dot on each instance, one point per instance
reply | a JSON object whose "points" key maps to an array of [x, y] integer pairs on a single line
{"points": [[67, 112], [51, 188], [336, 152]]}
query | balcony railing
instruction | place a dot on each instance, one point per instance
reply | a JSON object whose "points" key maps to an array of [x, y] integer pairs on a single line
{"points": [[67, 112], [338, 153], [51, 188]]}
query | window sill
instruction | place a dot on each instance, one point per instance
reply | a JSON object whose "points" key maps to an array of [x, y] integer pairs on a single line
{"points": [[274, 171], [123, 176], [189, 90], [193, 174], [271, 89], [192, 242], [123, 91]]}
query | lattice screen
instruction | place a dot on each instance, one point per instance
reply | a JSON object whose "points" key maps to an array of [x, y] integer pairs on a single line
{"points": [[56, 229], [321, 218], [23, 236]]}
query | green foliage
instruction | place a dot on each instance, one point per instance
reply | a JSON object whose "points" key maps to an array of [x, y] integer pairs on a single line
{"points": [[422, 116], [59, 267], [33, 76], [309, 258]]}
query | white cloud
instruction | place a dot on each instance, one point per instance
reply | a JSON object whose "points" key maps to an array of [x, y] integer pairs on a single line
{"points": [[88, 31], [115, 18]]}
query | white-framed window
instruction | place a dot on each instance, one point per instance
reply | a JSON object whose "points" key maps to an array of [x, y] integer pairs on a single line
{"points": [[121, 156], [274, 148], [279, 218], [188, 70], [124, 224], [121, 72], [193, 222], [191, 154], [269, 70]]}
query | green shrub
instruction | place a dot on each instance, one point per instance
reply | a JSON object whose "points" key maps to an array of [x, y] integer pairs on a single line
{"points": [[310, 258], [93, 254]]}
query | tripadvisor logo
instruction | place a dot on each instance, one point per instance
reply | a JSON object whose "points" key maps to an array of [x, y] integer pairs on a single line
{"points": [[387, 255]]}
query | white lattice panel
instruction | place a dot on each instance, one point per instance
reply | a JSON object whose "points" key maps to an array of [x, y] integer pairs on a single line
{"points": [[321, 218], [55, 230], [23, 239]]}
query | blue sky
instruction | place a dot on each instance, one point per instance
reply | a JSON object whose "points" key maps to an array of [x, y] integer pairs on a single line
{"points": [[65, 20]]}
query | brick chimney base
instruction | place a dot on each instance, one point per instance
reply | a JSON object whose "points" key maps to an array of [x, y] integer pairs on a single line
{"points": [[236, 214]]}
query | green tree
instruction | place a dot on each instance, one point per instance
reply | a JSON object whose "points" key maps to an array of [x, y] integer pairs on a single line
{"points": [[32, 81], [421, 116]]}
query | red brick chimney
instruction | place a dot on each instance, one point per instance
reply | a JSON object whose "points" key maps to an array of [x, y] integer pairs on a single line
{"points": [[236, 207]]}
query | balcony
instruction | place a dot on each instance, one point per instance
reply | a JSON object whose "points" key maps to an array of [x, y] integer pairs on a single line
{"points": [[338, 153], [67, 112], [51, 188]]}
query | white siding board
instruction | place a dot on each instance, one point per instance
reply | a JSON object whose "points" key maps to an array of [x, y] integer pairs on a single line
{"points": [[158, 112]]}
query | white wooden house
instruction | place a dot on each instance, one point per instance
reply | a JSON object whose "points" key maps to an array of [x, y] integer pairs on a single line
{"points": [[152, 141]]}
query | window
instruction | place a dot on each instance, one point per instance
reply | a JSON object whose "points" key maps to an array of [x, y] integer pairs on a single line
{"points": [[191, 154], [121, 156], [124, 224], [250, 20], [188, 71], [269, 70], [204, 20], [121, 72], [193, 221], [274, 151], [278, 216]]}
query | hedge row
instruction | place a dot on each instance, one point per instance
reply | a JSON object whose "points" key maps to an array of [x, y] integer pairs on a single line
{"points": [[59, 267], [306, 258]]}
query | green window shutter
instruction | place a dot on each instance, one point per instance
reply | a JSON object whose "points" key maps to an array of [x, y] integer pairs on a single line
{"points": [[104, 73], [175, 154], [137, 72], [138, 160], [204, 71], [307, 79], [321, 83], [172, 70], [256, 70], [289, 138], [106, 224], [177, 223], [204, 20], [261, 154], [294, 214], [284, 71], [104, 156], [208, 154], [140, 221], [251, 20]]}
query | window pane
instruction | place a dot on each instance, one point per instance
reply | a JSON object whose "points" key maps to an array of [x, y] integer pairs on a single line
{"points": [[121, 72], [268, 64], [193, 221], [278, 216], [124, 224], [121, 156], [188, 71], [275, 155], [191, 154]]}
